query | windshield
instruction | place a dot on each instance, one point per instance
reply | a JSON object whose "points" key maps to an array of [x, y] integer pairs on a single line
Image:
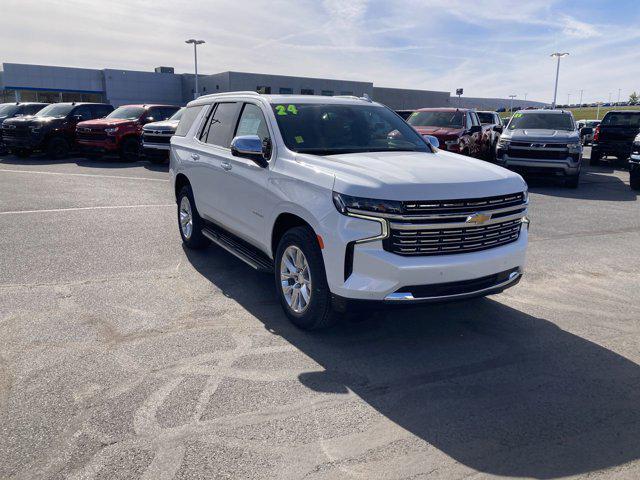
{"points": [[8, 110], [178, 115], [486, 117], [542, 121], [622, 119], [127, 113], [328, 129], [57, 110], [436, 119]]}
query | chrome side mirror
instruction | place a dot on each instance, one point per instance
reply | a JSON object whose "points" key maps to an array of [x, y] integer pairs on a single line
{"points": [[433, 141], [251, 147]]}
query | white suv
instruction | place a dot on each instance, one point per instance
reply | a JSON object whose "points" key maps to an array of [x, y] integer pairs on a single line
{"points": [[344, 203]]}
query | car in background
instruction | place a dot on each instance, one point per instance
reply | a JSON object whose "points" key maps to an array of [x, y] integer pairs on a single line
{"points": [[121, 131], [17, 109], [543, 142], [615, 135], [405, 113], [492, 127], [634, 164], [52, 130], [587, 128], [156, 138], [457, 129]]}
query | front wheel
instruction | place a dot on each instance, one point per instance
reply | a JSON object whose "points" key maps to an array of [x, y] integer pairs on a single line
{"points": [[22, 153], [301, 281], [572, 181], [130, 150], [58, 147], [189, 221]]}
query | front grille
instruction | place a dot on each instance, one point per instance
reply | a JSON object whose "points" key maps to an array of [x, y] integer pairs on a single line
{"points": [[164, 139], [91, 135], [541, 154], [447, 227], [453, 240], [15, 133], [539, 145]]}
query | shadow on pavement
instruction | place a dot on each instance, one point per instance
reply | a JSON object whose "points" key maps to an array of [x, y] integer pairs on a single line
{"points": [[496, 389], [106, 161], [595, 184]]}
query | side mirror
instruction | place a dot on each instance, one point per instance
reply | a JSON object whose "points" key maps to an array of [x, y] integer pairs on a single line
{"points": [[148, 120], [78, 118], [475, 129], [433, 141], [251, 147], [498, 128]]}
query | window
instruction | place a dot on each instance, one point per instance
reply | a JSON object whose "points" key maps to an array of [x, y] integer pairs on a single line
{"points": [[84, 111], [263, 89], [221, 124], [252, 122], [188, 117], [102, 111], [486, 117], [623, 119], [474, 119], [32, 109], [127, 113], [160, 113], [286, 91], [56, 110], [545, 121], [436, 119], [306, 91], [327, 93]]}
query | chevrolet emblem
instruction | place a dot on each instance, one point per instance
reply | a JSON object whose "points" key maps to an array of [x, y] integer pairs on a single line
{"points": [[478, 218]]}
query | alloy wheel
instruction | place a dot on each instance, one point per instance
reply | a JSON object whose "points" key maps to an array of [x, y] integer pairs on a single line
{"points": [[186, 217], [295, 279]]}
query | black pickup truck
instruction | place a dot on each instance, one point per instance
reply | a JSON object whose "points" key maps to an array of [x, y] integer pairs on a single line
{"points": [[614, 136]]}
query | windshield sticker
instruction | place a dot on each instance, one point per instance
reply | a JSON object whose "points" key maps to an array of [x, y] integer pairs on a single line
{"points": [[299, 139], [286, 110], [517, 115]]}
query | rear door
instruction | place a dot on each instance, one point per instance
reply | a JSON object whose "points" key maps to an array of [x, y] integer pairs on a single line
{"points": [[620, 127]]}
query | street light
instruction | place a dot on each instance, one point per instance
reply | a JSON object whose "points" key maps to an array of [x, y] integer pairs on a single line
{"points": [[558, 55], [195, 59], [511, 103]]}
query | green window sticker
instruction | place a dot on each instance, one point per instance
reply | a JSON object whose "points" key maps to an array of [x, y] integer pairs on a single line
{"points": [[299, 139], [515, 115], [286, 110]]}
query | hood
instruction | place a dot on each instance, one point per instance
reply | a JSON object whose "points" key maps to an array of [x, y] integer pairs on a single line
{"points": [[165, 125], [439, 132], [416, 175], [541, 135], [105, 122], [30, 121]]}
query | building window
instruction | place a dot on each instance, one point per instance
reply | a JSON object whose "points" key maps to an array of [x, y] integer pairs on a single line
{"points": [[327, 93], [286, 91], [346, 93], [263, 89], [306, 91]]}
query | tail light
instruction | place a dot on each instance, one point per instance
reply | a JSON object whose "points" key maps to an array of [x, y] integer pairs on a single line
{"points": [[596, 134]]}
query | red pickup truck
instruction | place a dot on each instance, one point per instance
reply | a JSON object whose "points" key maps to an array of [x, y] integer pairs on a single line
{"points": [[121, 130], [457, 129]]}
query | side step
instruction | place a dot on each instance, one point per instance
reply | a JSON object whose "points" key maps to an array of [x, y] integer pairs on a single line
{"points": [[241, 249]]}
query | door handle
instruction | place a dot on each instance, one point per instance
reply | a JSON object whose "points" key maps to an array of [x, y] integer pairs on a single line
{"points": [[226, 166], [195, 156]]}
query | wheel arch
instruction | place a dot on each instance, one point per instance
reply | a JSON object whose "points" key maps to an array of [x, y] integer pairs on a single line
{"points": [[285, 221], [180, 182]]}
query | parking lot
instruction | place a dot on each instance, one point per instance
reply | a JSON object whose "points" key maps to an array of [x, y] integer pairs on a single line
{"points": [[122, 355]]}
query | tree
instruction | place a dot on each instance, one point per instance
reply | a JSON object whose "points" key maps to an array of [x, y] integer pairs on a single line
{"points": [[633, 98]]}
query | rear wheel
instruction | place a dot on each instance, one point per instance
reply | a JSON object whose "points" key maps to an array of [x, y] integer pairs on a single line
{"points": [[58, 147], [189, 221], [22, 152], [301, 281], [596, 158], [130, 150], [572, 181]]}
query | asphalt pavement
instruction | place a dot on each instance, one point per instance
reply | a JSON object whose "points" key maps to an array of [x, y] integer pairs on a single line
{"points": [[124, 356]]}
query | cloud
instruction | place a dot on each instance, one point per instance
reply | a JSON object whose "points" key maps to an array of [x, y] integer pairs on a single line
{"points": [[578, 29]]}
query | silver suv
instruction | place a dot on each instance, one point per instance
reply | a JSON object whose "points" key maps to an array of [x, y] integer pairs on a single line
{"points": [[542, 142]]}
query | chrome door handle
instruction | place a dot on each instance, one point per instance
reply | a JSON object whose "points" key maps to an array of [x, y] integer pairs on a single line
{"points": [[195, 156], [226, 166]]}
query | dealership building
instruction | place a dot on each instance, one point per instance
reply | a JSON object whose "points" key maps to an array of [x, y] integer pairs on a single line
{"points": [[43, 83]]}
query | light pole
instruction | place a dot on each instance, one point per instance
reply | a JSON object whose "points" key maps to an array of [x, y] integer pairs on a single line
{"points": [[581, 92], [558, 55], [511, 103], [609, 98], [195, 60], [619, 95], [598, 111], [568, 99]]}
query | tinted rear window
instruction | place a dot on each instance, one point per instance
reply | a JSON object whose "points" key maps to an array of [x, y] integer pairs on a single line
{"points": [[187, 119], [436, 119], [622, 119], [542, 121], [486, 117]]}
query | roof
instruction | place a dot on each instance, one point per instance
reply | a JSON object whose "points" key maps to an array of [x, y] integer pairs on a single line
{"points": [[150, 105], [319, 99], [545, 111], [445, 109]]}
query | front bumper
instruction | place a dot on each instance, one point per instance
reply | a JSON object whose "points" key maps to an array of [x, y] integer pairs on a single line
{"points": [[617, 149], [156, 146], [380, 275], [108, 145], [568, 166], [29, 142]]}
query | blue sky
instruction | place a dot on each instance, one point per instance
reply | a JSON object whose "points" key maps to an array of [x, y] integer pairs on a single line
{"points": [[488, 47]]}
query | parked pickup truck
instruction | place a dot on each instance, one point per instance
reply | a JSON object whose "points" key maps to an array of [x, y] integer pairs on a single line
{"points": [[457, 129], [634, 164], [121, 130], [343, 203], [17, 109], [492, 127], [51, 130], [156, 137], [542, 142], [615, 134]]}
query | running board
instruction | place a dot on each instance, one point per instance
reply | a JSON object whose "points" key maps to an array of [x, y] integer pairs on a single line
{"points": [[239, 248]]}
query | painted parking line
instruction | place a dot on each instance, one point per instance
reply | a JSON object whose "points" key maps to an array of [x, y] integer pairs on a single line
{"points": [[75, 209], [85, 175]]}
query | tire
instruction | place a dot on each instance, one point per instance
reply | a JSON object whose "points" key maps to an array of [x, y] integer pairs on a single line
{"points": [[22, 153], [191, 236], [130, 150], [634, 180], [158, 159], [596, 158], [572, 181], [58, 147], [317, 312]]}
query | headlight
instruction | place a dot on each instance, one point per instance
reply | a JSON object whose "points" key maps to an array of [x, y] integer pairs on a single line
{"points": [[452, 143], [35, 130], [345, 203], [504, 142], [574, 147], [111, 131], [525, 194]]}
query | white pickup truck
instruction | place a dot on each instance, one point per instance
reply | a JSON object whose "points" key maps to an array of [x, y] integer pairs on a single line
{"points": [[344, 203]]}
